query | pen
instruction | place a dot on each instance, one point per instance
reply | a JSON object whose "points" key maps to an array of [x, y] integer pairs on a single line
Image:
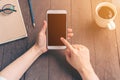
{"points": [[31, 12]]}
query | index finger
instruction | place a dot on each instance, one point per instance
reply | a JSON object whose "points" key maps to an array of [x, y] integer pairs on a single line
{"points": [[66, 43]]}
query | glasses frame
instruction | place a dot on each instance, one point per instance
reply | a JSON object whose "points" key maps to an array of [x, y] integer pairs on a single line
{"points": [[4, 9]]}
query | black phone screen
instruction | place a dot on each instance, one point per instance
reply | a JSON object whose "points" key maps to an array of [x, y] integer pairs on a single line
{"points": [[56, 29]]}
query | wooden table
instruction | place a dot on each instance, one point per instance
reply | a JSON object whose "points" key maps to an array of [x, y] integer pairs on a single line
{"points": [[104, 45]]}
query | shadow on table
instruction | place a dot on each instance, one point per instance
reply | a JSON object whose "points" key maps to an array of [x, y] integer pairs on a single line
{"points": [[59, 56]]}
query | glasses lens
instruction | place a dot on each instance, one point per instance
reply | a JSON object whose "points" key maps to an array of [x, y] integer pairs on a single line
{"points": [[8, 8]]}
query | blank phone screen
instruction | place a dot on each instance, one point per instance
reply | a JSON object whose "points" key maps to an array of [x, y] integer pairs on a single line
{"points": [[56, 29]]}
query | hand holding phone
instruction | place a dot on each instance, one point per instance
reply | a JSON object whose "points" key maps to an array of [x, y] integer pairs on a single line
{"points": [[56, 20]]}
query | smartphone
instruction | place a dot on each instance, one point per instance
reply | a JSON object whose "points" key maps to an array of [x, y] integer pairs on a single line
{"points": [[57, 23]]}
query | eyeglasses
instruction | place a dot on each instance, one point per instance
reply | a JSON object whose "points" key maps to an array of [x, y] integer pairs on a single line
{"points": [[8, 9]]}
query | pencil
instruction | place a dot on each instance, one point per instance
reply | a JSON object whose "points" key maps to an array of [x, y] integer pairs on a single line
{"points": [[31, 13]]}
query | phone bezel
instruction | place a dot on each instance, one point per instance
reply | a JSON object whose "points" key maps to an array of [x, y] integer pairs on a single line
{"points": [[56, 12]]}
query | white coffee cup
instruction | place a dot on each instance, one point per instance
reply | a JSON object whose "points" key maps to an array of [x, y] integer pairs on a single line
{"points": [[102, 22]]}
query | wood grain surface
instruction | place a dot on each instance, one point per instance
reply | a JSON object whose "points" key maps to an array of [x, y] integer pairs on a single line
{"points": [[104, 45]]}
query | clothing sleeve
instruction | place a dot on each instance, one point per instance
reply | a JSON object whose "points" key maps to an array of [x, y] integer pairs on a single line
{"points": [[1, 78]]}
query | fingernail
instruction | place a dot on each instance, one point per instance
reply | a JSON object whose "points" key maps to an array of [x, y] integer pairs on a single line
{"points": [[61, 38]]}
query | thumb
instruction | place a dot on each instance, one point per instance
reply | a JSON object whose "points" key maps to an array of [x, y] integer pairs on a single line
{"points": [[44, 26]]}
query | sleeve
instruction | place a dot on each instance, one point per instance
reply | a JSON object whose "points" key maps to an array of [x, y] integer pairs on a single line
{"points": [[1, 78]]}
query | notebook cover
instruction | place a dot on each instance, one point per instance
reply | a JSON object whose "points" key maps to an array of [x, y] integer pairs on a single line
{"points": [[12, 26]]}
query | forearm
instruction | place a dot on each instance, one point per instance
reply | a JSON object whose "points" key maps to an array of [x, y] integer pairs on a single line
{"points": [[88, 73], [15, 70]]}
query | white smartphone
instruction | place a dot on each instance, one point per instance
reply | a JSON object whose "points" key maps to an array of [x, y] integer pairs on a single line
{"points": [[57, 23]]}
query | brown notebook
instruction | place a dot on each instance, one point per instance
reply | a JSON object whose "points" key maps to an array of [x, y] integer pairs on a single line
{"points": [[12, 26]]}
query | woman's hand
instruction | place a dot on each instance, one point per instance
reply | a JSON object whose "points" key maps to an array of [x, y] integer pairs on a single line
{"points": [[79, 58], [41, 40], [77, 55]]}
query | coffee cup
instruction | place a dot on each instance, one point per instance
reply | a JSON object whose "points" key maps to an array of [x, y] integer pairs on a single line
{"points": [[105, 14]]}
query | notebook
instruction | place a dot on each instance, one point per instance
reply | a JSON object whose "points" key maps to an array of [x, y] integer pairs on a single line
{"points": [[12, 26]]}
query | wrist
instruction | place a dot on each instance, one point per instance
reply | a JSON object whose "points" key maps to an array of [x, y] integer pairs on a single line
{"points": [[37, 49], [88, 73]]}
